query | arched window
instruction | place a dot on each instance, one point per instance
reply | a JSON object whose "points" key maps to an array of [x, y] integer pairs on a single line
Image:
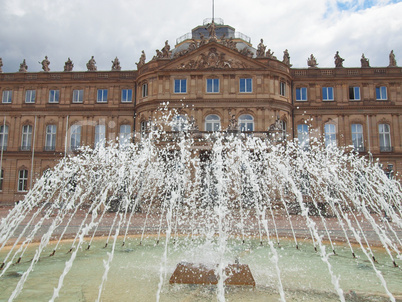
{"points": [[75, 137], [246, 122], [303, 136], [179, 123], [3, 137], [384, 131], [100, 136], [26, 138], [124, 135], [357, 137], [212, 123], [330, 135]]}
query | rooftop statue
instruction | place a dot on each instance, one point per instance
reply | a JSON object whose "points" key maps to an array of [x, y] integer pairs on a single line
{"points": [[312, 62], [91, 65], [23, 67], [261, 49], [1, 65], [68, 66], [45, 64], [116, 65], [286, 58], [203, 40], [338, 60], [270, 54], [247, 52], [142, 59], [364, 61], [233, 124], [392, 60], [166, 53], [158, 55], [212, 31]]}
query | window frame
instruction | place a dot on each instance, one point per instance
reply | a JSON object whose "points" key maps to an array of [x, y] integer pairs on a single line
{"points": [[212, 85], [54, 96], [330, 139], [50, 140], [246, 86], [179, 123], [352, 93], [327, 89], [3, 135], [124, 136], [357, 136], [213, 124], [180, 86], [22, 180], [78, 96], [299, 93], [383, 135], [7, 96], [75, 135], [282, 88], [100, 136], [126, 95], [144, 90], [303, 136], [101, 96], [30, 96], [246, 122], [26, 138], [379, 93]]}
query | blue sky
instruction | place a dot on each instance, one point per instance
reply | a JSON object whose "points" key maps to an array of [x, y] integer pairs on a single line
{"points": [[105, 29]]}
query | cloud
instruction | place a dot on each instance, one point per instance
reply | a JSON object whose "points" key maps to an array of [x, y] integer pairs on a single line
{"points": [[106, 29]]}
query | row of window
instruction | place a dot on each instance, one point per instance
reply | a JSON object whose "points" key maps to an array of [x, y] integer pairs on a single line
{"points": [[75, 137], [384, 131], [354, 93], [78, 96]]}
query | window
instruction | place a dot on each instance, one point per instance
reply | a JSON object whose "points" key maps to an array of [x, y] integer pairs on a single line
{"points": [[180, 86], [26, 138], [179, 123], [327, 93], [246, 85], [1, 180], [7, 96], [354, 93], [303, 136], [212, 123], [357, 137], [125, 135], [144, 90], [381, 93], [144, 127], [385, 137], [3, 137], [282, 90], [100, 135], [22, 180], [78, 96], [212, 85], [246, 123], [50, 144], [102, 96], [54, 96], [330, 135], [30, 96], [301, 94], [126, 95], [75, 137]]}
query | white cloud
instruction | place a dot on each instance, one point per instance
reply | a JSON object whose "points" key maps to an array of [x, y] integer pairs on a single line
{"points": [[106, 29]]}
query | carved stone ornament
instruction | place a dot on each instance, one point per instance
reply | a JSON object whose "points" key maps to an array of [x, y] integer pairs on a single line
{"points": [[116, 65], [364, 62], [23, 66], [338, 60], [91, 65], [233, 124], [142, 59], [286, 58], [45, 64], [1, 65], [261, 49], [392, 60], [212, 59], [68, 66], [312, 62]]}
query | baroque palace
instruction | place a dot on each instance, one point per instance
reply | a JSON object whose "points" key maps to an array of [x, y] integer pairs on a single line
{"points": [[216, 80]]}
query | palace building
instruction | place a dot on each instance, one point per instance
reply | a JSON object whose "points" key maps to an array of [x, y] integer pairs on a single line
{"points": [[213, 76]]}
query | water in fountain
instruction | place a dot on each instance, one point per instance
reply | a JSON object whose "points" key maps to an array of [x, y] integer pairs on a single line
{"points": [[211, 199]]}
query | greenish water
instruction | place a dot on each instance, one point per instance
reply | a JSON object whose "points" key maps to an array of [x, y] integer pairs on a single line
{"points": [[135, 273]]}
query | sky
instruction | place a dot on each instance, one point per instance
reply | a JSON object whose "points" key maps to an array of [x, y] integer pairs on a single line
{"points": [[107, 29]]}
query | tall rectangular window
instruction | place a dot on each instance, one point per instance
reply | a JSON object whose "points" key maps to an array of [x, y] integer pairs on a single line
{"points": [[385, 137], [126, 95], [75, 137], [381, 93], [7, 96], [330, 135], [22, 180], [282, 89], [357, 137], [30, 96], [327, 93], [50, 144], [303, 136], [354, 93], [301, 94], [3, 137], [246, 85], [1, 180], [102, 96], [54, 96], [26, 138], [100, 135], [78, 95], [144, 91], [180, 86], [124, 135], [212, 85]]}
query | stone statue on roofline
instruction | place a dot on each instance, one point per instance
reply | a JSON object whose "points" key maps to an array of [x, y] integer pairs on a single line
{"points": [[392, 60], [23, 66], [261, 49], [45, 64], [212, 32], [91, 65], [286, 58], [68, 66], [142, 59], [166, 53], [1, 65], [364, 62], [338, 60], [116, 65], [312, 62], [270, 54]]}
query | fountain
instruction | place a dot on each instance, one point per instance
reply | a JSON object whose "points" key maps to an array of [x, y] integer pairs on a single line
{"points": [[113, 223]]}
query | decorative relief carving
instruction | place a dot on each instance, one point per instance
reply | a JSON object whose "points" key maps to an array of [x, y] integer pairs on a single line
{"points": [[312, 62]]}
